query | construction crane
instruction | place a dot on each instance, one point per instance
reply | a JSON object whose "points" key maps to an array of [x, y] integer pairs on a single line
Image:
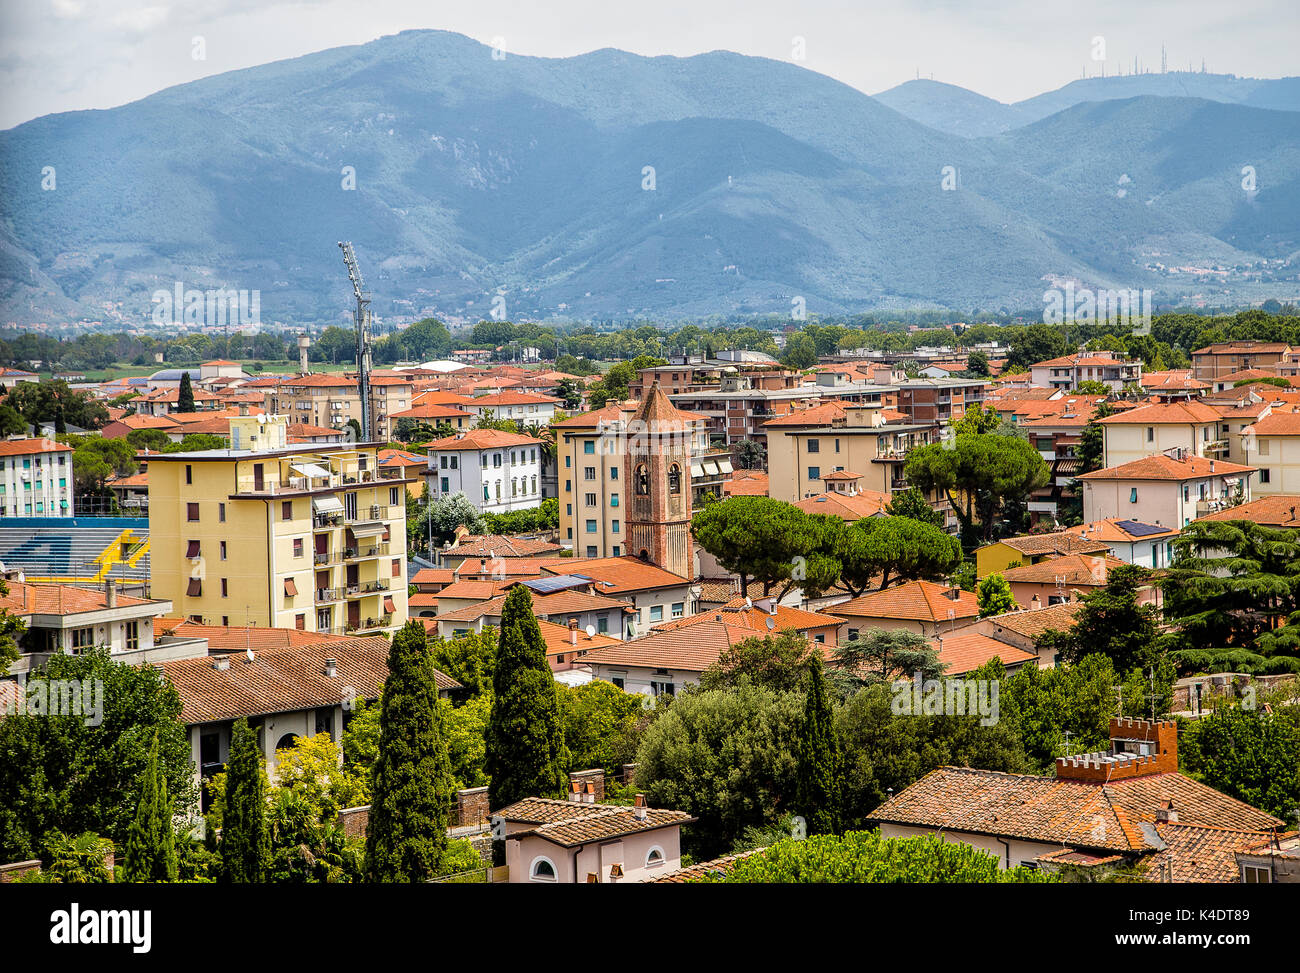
{"points": [[362, 319]]}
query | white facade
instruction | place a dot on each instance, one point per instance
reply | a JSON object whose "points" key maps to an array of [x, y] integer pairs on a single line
{"points": [[35, 479], [496, 480]]}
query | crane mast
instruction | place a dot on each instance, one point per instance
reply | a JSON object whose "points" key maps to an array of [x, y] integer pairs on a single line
{"points": [[362, 318]]}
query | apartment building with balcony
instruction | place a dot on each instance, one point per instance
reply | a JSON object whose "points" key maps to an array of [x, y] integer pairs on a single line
{"points": [[1173, 423], [309, 537], [497, 471], [1226, 357], [1168, 489], [1114, 371], [1272, 444], [330, 400], [939, 400], [35, 478]]}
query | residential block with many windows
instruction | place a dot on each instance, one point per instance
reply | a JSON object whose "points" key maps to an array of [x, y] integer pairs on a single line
{"points": [[311, 536], [35, 478]]}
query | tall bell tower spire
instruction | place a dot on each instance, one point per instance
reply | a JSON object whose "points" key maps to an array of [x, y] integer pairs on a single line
{"points": [[658, 467]]}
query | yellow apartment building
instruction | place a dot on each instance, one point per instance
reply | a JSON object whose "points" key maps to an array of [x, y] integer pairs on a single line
{"points": [[309, 536], [1160, 427], [1272, 443]]}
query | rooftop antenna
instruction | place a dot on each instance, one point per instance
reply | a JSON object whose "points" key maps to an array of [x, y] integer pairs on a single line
{"points": [[1164, 60], [361, 317]]}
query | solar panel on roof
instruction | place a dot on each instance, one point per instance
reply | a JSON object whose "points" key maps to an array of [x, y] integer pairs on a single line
{"points": [[1139, 529], [560, 583]]}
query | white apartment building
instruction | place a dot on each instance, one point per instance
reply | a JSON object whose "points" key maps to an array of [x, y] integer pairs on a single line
{"points": [[525, 408], [497, 471], [35, 478]]}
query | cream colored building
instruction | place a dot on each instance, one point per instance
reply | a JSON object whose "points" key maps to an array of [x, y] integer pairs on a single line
{"points": [[310, 536], [1161, 427], [1272, 444], [330, 400]]}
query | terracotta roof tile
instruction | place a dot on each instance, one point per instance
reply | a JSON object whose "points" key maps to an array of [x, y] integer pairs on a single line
{"points": [[965, 651], [1162, 467], [919, 600], [1057, 542], [1279, 510]]}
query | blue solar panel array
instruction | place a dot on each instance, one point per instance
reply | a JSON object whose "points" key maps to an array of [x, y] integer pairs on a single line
{"points": [[564, 582], [1138, 529]]}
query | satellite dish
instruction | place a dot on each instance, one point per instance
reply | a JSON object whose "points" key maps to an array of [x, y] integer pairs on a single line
{"points": [[749, 602], [590, 630], [771, 623]]}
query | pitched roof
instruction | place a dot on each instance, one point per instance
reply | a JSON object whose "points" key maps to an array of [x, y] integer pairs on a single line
{"points": [[559, 603], [1278, 510], [745, 483], [1118, 530], [1057, 542], [513, 398], [581, 823], [237, 638], [738, 614], [1033, 622], [1198, 853], [1164, 412], [1076, 569], [62, 599], [27, 447], [713, 867], [864, 503], [1074, 813], [920, 600], [1162, 467], [481, 439], [965, 651], [433, 576], [616, 575], [499, 545], [816, 415], [282, 680], [561, 639], [1276, 424]]}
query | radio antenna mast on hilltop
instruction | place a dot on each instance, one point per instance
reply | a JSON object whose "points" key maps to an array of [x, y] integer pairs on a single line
{"points": [[362, 319]]}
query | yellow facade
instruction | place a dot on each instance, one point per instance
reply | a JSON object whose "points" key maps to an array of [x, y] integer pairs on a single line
{"points": [[309, 537], [1126, 442], [997, 557]]}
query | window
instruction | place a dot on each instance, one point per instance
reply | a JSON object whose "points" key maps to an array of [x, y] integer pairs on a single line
{"points": [[286, 510], [1256, 875], [617, 552], [192, 512], [679, 609], [1263, 474], [590, 499], [591, 527], [223, 550], [1133, 495], [543, 870], [589, 472], [82, 638], [674, 479], [853, 634], [642, 480], [613, 499], [192, 549], [654, 857], [589, 447], [591, 550], [446, 485], [393, 498], [396, 567], [662, 688], [131, 636], [442, 461], [195, 588], [617, 681], [297, 547], [613, 527], [290, 588], [221, 513], [300, 621], [837, 445], [189, 474], [656, 613], [568, 461], [613, 472], [814, 446], [1151, 434], [225, 592], [1261, 447], [814, 472], [602, 623]]}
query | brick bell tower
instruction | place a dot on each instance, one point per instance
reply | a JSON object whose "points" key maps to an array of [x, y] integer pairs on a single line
{"points": [[658, 465]]}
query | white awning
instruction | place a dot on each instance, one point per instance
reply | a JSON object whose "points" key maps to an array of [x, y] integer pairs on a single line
{"points": [[697, 469], [370, 528], [710, 468], [312, 470], [724, 466], [327, 505]]}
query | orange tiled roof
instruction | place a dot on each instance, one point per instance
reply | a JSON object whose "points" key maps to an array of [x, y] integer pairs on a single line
{"points": [[965, 651], [737, 614], [560, 639], [691, 649], [27, 447], [1033, 622], [1164, 412], [1276, 424], [559, 603], [1162, 467], [1057, 542], [920, 600], [816, 415], [481, 439], [1074, 813], [746, 483], [1111, 531], [237, 638], [499, 545], [1198, 853], [61, 599], [1076, 569], [1279, 510], [282, 680], [864, 503], [616, 575]]}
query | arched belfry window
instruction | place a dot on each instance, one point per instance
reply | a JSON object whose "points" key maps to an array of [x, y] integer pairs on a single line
{"points": [[642, 480], [674, 479]]}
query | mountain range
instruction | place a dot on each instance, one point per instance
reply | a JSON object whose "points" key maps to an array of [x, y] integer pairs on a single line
{"points": [[611, 185]]}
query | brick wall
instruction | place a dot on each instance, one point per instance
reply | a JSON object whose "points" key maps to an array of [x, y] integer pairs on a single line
{"points": [[355, 820], [16, 870], [596, 778], [471, 807], [1096, 768]]}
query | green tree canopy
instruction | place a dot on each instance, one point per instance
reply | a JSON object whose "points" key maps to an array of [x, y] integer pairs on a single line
{"points": [[995, 597]]}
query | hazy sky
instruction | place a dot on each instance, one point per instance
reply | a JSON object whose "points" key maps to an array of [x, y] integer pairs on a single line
{"points": [[60, 55]]}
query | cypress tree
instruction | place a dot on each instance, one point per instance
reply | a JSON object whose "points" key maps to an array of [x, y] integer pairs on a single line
{"points": [[525, 751], [185, 396], [820, 781], [150, 852], [411, 780], [245, 841]]}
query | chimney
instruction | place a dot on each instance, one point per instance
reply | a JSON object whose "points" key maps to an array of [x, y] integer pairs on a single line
{"points": [[1166, 813], [221, 663], [331, 668], [1035, 603], [575, 791], [110, 593], [589, 793], [639, 809], [573, 631], [1211, 466], [954, 593]]}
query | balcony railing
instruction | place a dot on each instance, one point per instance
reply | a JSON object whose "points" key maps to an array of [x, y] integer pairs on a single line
{"points": [[364, 551], [324, 521], [378, 511], [326, 557], [372, 587], [369, 624], [327, 595]]}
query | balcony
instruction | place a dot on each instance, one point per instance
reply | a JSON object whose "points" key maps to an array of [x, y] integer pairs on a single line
{"points": [[369, 624], [326, 521], [326, 557], [367, 550], [378, 511], [1216, 446], [326, 595]]}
